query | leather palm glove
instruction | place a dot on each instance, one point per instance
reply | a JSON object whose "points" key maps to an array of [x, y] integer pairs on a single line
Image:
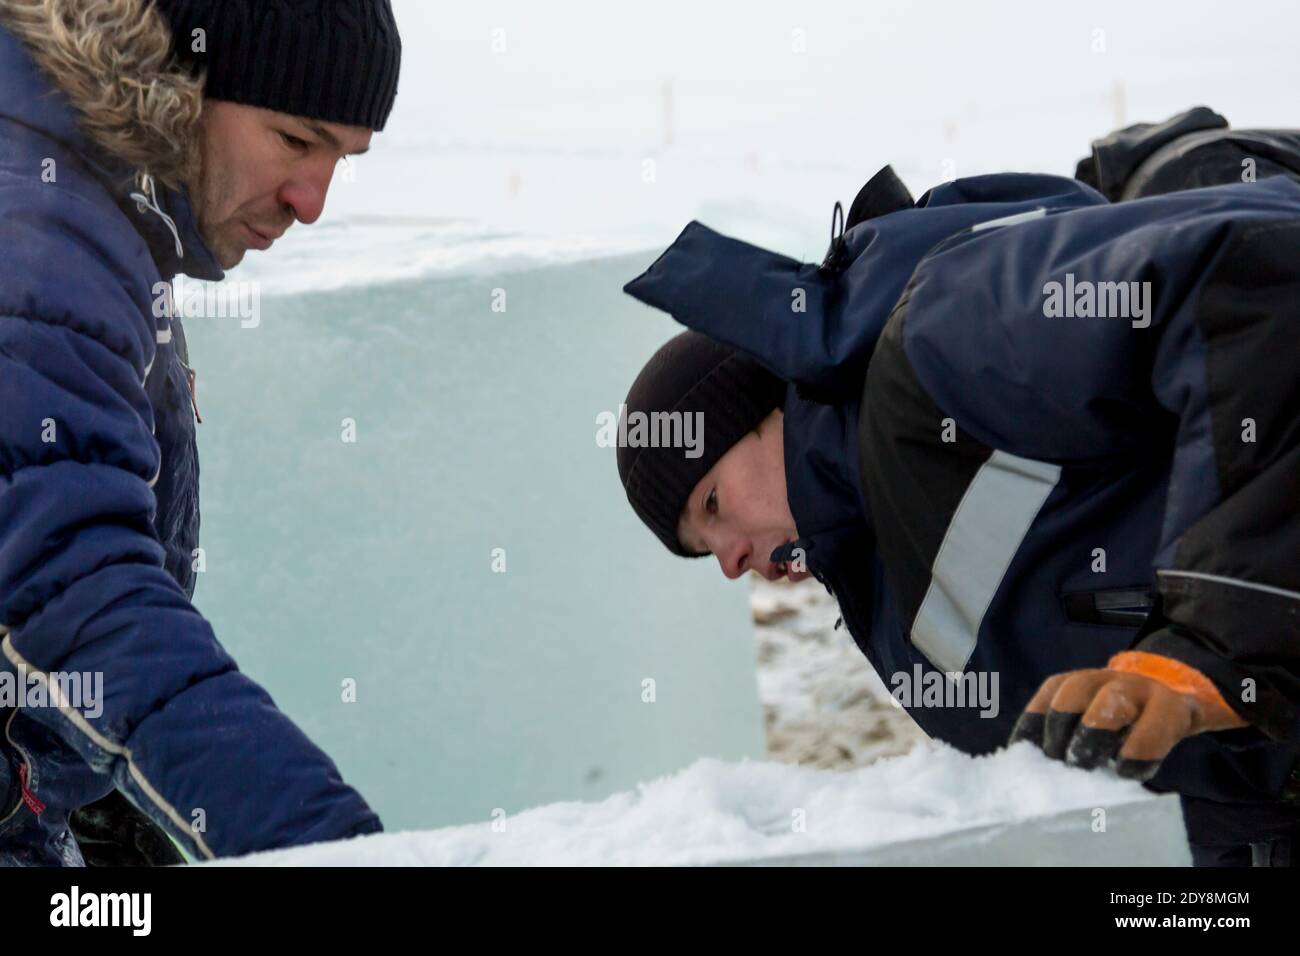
{"points": [[112, 832], [1128, 715]]}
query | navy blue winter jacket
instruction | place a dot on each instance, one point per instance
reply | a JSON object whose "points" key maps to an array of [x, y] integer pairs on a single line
{"points": [[99, 520]]}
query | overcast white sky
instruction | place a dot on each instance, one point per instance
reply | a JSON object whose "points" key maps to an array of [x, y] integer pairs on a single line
{"points": [[595, 70], [793, 105]]}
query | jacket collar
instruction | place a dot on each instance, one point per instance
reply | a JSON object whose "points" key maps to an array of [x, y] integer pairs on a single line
{"points": [[821, 476], [163, 217], [166, 221]]}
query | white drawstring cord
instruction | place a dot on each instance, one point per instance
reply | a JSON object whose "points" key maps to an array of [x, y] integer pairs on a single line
{"points": [[150, 202], [143, 203]]}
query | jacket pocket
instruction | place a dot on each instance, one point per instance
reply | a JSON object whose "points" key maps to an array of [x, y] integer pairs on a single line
{"points": [[1115, 607]]}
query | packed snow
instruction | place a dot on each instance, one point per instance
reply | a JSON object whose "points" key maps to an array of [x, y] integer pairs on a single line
{"points": [[717, 812]]}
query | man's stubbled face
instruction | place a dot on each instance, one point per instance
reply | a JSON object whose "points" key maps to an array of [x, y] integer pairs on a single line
{"points": [[738, 512], [261, 171]]}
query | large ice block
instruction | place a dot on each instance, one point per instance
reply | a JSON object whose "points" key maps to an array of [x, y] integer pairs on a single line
{"points": [[468, 564], [1147, 832]]}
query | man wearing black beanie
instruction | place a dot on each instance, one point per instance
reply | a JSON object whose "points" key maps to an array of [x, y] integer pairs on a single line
{"points": [[140, 140], [1041, 448], [738, 404], [289, 90]]}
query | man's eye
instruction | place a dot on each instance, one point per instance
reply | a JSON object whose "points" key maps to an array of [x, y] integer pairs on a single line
{"points": [[293, 141], [711, 504]]}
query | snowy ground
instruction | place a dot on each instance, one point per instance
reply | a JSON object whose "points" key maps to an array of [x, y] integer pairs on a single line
{"points": [[823, 705]]}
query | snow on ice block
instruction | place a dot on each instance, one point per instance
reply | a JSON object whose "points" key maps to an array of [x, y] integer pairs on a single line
{"points": [[931, 806]]}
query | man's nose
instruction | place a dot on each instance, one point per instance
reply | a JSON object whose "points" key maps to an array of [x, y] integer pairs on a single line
{"points": [[735, 558], [305, 193]]}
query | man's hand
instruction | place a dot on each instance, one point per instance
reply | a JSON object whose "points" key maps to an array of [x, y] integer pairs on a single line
{"points": [[1131, 712]]}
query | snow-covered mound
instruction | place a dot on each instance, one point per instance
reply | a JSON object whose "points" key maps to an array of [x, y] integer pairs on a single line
{"points": [[717, 812]]}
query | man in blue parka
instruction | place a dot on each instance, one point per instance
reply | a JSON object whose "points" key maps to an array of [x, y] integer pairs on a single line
{"points": [[138, 141], [1026, 434]]}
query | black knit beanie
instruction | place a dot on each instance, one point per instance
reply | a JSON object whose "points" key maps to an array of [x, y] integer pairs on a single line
{"points": [[690, 374], [332, 60]]}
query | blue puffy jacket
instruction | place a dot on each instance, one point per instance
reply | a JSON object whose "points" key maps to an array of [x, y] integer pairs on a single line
{"points": [[99, 520], [995, 479]]}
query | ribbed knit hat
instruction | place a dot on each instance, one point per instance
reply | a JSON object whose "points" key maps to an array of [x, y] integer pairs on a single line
{"points": [[332, 60], [690, 374]]}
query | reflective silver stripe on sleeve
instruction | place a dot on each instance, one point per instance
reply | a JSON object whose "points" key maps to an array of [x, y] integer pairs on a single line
{"points": [[991, 522]]}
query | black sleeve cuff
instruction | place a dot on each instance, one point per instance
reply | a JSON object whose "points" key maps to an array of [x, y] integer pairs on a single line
{"points": [[1269, 711]]}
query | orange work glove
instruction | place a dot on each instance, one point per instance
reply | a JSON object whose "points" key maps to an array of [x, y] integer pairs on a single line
{"points": [[1129, 713]]}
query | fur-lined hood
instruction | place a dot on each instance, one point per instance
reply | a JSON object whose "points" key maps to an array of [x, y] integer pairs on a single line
{"points": [[113, 61]]}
